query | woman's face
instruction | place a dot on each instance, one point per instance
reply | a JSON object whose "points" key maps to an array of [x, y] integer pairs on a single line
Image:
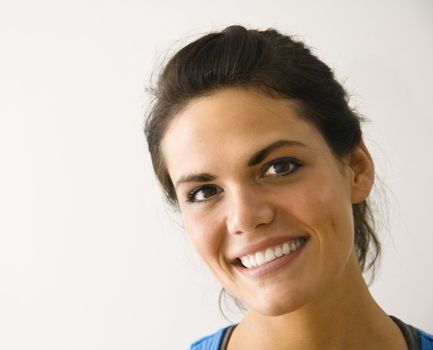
{"points": [[263, 199]]}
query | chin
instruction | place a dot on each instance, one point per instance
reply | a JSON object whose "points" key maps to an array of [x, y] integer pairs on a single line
{"points": [[277, 305]]}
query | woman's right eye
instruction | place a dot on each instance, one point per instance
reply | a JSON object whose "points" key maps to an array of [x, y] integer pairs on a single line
{"points": [[202, 194]]}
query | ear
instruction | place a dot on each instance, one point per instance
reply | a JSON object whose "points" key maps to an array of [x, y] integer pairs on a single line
{"points": [[362, 168]]}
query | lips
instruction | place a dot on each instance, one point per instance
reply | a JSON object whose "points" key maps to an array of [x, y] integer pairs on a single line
{"points": [[262, 253], [271, 253]]}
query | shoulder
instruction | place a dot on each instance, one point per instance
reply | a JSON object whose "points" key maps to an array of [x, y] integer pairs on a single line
{"points": [[416, 338], [210, 342], [426, 340]]}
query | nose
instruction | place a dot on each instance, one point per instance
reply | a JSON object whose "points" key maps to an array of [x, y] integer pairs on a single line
{"points": [[248, 209]]}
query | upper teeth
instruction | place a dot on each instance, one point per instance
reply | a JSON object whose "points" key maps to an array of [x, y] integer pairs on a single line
{"points": [[271, 253]]}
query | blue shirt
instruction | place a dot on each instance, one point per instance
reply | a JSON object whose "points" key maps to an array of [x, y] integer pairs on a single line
{"points": [[422, 341], [426, 340], [211, 342]]}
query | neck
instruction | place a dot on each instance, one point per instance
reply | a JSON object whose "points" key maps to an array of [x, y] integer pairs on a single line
{"points": [[344, 317]]}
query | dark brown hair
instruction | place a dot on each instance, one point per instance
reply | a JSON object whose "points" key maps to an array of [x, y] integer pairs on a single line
{"points": [[279, 66]]}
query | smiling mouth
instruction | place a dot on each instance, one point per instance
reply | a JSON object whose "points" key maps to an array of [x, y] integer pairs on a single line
{"points": [[270, 254]]}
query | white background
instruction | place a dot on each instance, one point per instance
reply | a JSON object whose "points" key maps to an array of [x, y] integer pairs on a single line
{"points": [[90, 257]]}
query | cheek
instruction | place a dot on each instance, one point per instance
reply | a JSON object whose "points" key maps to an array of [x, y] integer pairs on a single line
{"points": [[327, 211], [205, 234]]}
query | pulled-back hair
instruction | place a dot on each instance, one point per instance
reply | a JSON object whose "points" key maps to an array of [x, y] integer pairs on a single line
{"points": [[279, 66]]}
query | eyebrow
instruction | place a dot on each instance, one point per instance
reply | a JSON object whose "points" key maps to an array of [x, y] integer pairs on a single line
{"points": [[262, 154], [202, 177], [254, 160]]}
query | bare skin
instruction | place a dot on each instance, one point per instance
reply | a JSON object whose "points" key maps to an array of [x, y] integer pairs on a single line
{"points": [[341, 319], [249, 171]]}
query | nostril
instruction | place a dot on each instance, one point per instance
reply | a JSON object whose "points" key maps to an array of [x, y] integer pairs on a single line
{"points": [[248, 212]]}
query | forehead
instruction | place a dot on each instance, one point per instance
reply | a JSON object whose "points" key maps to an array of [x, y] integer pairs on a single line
{"points": [[233, 122], [230, 108]]}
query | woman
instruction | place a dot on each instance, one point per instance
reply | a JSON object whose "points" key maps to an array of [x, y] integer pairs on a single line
{"points": [[252, 138]]}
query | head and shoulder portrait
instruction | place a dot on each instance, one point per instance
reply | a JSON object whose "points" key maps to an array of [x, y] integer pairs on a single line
{"points": [[254, 143]]}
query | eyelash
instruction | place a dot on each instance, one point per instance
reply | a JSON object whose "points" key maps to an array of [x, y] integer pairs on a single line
{"points": [[286, 160], [191, 195]]}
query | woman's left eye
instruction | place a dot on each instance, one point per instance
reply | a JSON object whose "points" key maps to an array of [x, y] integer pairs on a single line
{"points": [[282, 166]]}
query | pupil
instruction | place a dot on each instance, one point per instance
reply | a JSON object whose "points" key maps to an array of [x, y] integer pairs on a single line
{"points": [[282, 167], [207, 192]]}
